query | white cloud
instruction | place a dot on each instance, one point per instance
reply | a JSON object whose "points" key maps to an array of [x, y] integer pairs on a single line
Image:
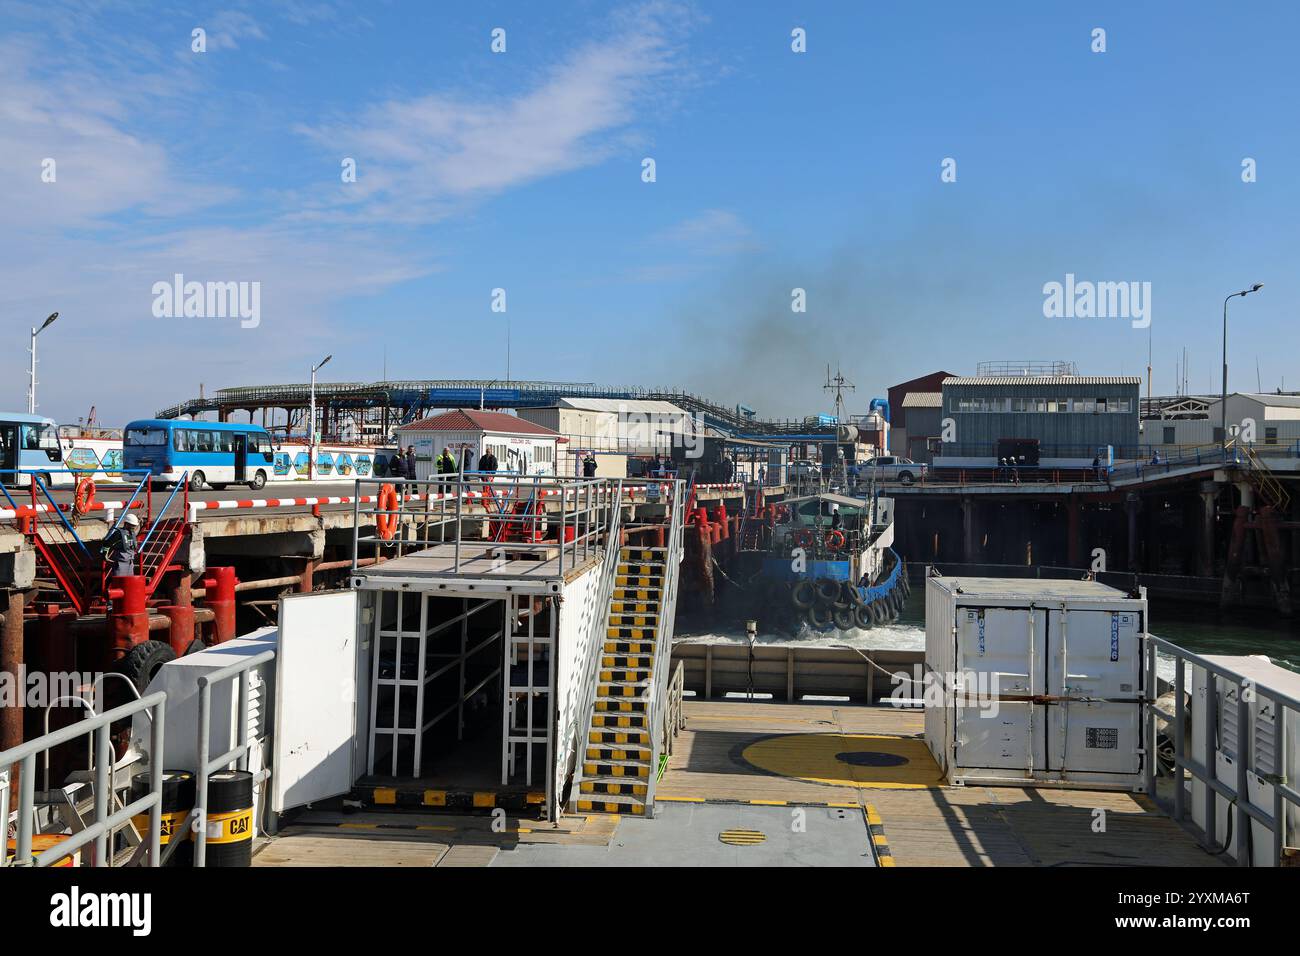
{"points": [[422, 155]]}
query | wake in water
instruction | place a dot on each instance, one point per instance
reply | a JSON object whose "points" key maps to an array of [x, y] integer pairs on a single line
{"points": [[902, 637]]}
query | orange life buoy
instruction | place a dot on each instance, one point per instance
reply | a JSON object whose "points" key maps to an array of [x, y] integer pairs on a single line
{"points": [[803, 537], [385, 523], [834, 540], [85, 496]]}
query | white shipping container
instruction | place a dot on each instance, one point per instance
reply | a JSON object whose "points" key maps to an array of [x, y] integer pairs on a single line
{"points": [[1033, 682]]}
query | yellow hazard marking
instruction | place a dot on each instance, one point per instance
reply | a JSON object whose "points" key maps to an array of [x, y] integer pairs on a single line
{"points": [[385, 795], [742, 837], [435, 798], [485, 798], [847, 760]]}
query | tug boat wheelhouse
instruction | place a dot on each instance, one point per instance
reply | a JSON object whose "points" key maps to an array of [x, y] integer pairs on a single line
{"points": [[823, 562]]}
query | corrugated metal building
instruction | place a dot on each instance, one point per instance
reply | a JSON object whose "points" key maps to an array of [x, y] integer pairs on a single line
{"points": [[1071, 416], [924, 425], [614, 429]]}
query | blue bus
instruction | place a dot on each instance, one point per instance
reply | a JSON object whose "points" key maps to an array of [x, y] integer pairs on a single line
{"points": [[30, 445], [215, 454]]}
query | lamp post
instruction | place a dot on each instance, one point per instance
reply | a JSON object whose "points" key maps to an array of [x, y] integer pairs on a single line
{"points": [[1223, 402], [31, 390], [311, 420]]}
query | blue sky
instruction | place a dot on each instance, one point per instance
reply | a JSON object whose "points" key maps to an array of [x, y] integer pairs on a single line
{"points": [[522, 171]]}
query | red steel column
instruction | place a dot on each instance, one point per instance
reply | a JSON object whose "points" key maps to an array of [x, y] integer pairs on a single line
{"points": [[220, 598], [129, 621], [181, 614]]}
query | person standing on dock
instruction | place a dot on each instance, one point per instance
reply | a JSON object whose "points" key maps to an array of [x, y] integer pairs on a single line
{"points": [[408, 462], [487, 464], [446, 462], [121, 550], [589, 466]]}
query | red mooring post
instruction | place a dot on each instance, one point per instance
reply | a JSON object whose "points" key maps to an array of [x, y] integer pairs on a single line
{"points": [[180, 633], [129, 621], [219, 586]]}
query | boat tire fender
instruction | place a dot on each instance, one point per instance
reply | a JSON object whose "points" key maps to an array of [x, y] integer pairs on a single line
{"points": [[804, 595]]}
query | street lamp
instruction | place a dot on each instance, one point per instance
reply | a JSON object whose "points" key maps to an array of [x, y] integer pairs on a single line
{"points": [[31, 391], [311, 420], [1223, 402]]}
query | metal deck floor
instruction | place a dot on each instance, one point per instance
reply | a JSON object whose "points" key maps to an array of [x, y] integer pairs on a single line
{"points": [[715, 835], [875, 756]]}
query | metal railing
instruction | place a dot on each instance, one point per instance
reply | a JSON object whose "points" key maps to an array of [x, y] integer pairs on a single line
{"points": [[658, 705], [105, 822], [577, 735], [675, 713], [237, 754], [467, 515], [1202, 767]]}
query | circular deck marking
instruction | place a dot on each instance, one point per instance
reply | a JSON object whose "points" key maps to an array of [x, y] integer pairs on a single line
{"points": [[871, 758], [844, 760], [742, 837]]}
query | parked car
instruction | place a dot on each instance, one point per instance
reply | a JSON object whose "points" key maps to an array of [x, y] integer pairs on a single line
{"points": [[891, 468]]}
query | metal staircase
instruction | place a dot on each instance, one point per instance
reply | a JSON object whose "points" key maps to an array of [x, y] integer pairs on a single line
{"points": [[631, 724]]}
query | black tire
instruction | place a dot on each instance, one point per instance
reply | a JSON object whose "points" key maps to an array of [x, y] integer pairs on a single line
{"points": [[804, 595], [844, 618], [863, 618], [819, 617], [143, 661], [828, 591], [878, 612], [259, 480], [906, 477], [856, 597], [198, 481], [845, 597]]}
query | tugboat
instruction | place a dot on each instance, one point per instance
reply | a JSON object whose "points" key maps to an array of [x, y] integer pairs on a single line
{"points": [[821, 562]]}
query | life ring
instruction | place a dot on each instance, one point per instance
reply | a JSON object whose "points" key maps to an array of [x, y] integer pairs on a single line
{"points": [[386, 524], [803, 537], [85, 496], [804, 595], [834, 540], [782, 513]]}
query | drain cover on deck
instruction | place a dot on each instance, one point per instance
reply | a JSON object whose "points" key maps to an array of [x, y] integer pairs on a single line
{"points": [[742, 837]]}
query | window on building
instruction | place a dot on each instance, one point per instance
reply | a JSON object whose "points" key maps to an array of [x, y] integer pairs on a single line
{"points": [[1169, 435], [1270, 436]]}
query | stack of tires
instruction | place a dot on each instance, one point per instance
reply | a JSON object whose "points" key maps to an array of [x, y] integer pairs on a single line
{"points": [[825, 604]]}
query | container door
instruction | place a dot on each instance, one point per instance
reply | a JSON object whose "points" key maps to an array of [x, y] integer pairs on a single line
{"points": [[999, 654], [1095, 655], [315, 698]]}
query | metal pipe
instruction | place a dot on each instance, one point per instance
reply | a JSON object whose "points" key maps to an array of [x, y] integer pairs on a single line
{"points": [[11, 661]]}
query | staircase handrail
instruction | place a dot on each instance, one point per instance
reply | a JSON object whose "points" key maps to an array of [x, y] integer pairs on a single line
{"points": [[658, 703], [600, 621]]}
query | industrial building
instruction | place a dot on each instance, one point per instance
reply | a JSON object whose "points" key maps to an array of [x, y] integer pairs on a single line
{"points": [[521, 447], [613, 430], [1070, 417], [1262, 420]]}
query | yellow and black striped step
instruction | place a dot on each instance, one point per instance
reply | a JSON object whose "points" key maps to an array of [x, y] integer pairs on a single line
{"points": [[634, 607], [614, 705], [629, 647], [619, 720], [630, 805], [628, 660], [625, 595], [611, 788], [634, 620], [643, 554], [626, 674], [625, 752], [646, 581], [616, 769], [641, 570], [621, 737], [621, 690], [631, 633]]}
